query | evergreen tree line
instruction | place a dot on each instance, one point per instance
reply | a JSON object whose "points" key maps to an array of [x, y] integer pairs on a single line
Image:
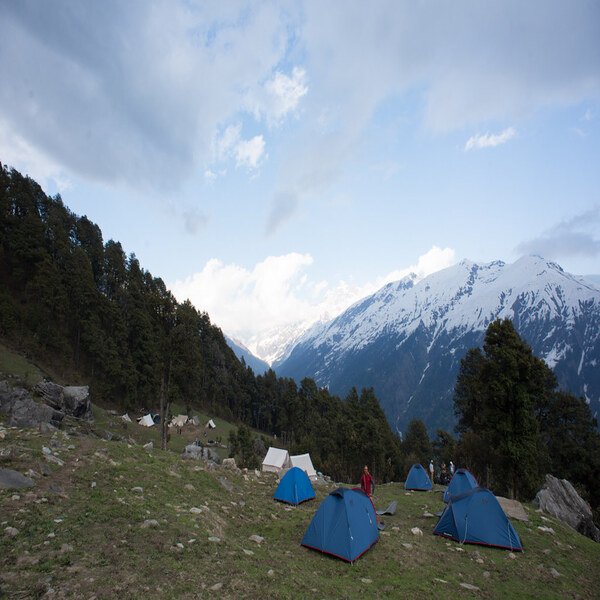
{"points": [[514, 424], [91, 313]]}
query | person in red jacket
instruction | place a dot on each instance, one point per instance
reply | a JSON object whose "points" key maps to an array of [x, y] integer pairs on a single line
{"points": [[366, 482]]}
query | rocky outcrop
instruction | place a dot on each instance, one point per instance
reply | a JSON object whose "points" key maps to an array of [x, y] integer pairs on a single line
{"points": [[70, 400], [560, 499], [57, 402], [23, 411]]}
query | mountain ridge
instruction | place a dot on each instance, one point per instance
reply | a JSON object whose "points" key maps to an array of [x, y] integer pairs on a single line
{"points": [[407, 339], [257, 365]]}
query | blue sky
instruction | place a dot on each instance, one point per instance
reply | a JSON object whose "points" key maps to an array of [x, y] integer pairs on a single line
{"points": [[275, 161]]}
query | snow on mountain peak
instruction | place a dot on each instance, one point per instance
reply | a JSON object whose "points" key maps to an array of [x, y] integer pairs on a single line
{"points": [[465, 296]]}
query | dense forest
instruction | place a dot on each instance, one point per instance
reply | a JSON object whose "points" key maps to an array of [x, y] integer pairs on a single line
{"points": [[91, 312]]}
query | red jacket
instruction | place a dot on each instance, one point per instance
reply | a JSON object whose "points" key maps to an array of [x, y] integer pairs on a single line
{"points": [[366, 482]]}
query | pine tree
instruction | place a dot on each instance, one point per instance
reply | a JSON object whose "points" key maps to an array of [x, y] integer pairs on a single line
{"points": [[497, 394]]}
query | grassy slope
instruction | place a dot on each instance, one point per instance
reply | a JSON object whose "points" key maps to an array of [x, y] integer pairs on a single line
{"points": [[178, 441], [15, 365], [98, 547]]}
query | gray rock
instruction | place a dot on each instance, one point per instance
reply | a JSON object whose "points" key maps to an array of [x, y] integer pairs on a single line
{"points": [[23, 411], [137, 490], [554, 572], [226, 484], [469, 586], [560, 499], [513, 509], [54, 459], [70, 400], [192, 451], [229, 463], [216, 587], [149, 523], [10, 480], [546, 529], [257, 538], [148, 446], [11, 531]]}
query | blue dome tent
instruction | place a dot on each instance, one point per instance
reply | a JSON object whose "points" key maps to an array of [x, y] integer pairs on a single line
{"points": [[476, 517], [294, 487], [417, 479], [345, 525], [462, 481]]}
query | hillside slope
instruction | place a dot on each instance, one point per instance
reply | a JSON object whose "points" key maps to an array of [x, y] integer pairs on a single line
{"points": [[81, 534]]}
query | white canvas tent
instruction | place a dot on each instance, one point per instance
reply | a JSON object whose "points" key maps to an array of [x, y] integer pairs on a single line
{"points": [[303, 461], [276, 460], [210, 424], [178, 421], [146, 421]]}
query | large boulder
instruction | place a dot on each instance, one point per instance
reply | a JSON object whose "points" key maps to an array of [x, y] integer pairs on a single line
{"points": [[560, 499], [512, 508], [70, 400], [193, 451], [23, 411], [10, 479]]}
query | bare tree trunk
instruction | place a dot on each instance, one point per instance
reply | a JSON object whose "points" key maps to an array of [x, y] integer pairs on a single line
{"points": [[164, 408]]}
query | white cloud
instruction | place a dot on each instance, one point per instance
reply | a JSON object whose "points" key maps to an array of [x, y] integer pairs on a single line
{"points": [[230, 145], [243, 301], [278, 292], [286, 92], [488, 140], [248, 153], [225, 144]]}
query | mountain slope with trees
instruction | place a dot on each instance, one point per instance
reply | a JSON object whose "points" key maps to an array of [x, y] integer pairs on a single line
{"points": [[407, 340], [90, 311]]}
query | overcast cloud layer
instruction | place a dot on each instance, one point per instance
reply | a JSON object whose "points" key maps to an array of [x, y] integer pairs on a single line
{"points": [[239, 119], [148, 88], [577, 236]]}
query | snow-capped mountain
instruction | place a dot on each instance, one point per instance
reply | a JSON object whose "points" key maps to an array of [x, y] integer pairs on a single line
{"points": [[256, 364], [407, 340]]}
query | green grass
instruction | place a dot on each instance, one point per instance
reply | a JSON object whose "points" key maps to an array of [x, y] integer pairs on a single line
{"points": [[99, 548], [16, 365], [177, 442]]}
